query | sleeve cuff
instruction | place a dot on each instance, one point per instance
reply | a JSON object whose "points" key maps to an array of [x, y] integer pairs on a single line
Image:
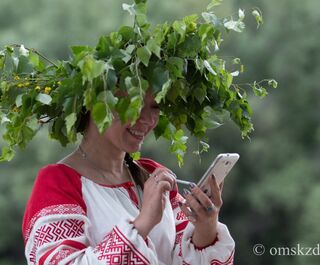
{"points": [[221, 249]]}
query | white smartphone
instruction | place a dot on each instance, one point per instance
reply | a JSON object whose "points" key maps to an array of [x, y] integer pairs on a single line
{"points": [[220, 168]]}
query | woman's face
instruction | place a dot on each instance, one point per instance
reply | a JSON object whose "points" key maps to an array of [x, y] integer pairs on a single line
{"points": [[129, 138]]}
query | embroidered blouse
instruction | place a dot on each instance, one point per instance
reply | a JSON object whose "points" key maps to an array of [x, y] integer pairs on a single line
{"points": [[70, 219]]}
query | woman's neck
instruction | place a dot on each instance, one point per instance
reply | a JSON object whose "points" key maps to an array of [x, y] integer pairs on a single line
{"points": [[102, 155]]}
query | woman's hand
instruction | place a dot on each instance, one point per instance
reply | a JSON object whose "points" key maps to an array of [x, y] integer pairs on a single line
{"points": [[155, 188], [203, 212]]}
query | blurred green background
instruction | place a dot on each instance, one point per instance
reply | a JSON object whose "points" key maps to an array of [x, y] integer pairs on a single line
{"points": [[272, 196]]}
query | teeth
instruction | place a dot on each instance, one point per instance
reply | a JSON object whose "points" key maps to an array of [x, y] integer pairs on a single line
{"points": [[137, 133]]}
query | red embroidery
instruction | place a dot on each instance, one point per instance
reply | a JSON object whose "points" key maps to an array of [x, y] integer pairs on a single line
{"points": [[60, 255], [181, 216], [175, 201], [64, 245], [229, 261], [51, 210], [116, 249], [54, 232]]}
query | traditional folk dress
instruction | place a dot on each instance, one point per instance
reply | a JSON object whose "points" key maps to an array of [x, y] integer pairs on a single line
{"points": [[70, 219]]}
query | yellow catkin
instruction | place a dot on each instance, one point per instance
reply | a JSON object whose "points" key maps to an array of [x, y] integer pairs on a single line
{"points": [[47, 89]]}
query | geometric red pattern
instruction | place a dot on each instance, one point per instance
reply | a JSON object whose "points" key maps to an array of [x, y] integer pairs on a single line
{"points": [[116, 249], [61, 209], [175, 201], [55, 231], [229, 261], [178, 242], [60, 255]]}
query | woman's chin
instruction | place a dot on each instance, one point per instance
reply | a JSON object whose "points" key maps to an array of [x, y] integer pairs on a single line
{"points": [[134, 148]]}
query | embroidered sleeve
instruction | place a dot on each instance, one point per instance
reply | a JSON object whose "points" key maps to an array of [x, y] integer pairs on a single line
{"points": [[57, 231], [185, 253]]}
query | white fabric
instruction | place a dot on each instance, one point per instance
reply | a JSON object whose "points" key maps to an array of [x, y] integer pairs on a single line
{"points": [[65, 234], [106, 206]]}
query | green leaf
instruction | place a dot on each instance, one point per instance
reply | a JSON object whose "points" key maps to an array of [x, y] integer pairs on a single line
{"points": [[91, 68], [99, 112], [236, 61], [70, 121], [7, 154], [162, 94], [209, 68], [44, 98], [241, 14], [258, 16], [35, 61], [273, 83], [111, 99], [144, 55], [237, 26], [178, 145], [213, 4], [129, 8], [211, 18], [89, 97], [107, 97], [102, 116], [23, 51], [19, 100], [180, 27], [176, 66], [162, 125], [127, 33], [200, 92], [79, 52], [133, 111], [228, 79], [2, 59], [159, 76], [154, 47], [135, 155], [140, 1]]}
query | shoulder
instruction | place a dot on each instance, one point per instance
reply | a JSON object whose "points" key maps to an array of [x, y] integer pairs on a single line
{"points": [[57, 188], [56, 184], [55, 174], [149, 164]]}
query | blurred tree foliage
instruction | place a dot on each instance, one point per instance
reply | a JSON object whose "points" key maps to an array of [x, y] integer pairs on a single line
{"points": [[272, 196]]}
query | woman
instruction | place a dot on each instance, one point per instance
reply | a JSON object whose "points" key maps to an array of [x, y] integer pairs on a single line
{"points": [[97, 206]]}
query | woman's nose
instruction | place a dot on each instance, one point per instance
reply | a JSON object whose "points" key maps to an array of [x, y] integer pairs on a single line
{"points": [[147, 117]]}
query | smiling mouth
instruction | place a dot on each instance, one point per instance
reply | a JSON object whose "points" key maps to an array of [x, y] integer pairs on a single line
{"points": [[137, 134]]}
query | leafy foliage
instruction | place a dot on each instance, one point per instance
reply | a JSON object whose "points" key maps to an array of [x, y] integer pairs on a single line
{"points": [[178, 61]]}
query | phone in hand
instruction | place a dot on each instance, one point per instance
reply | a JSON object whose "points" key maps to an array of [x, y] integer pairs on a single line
{"points": [[220, 168]]}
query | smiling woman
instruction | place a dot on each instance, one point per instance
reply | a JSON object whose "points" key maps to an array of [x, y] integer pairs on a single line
{"points": [[97, 205]]}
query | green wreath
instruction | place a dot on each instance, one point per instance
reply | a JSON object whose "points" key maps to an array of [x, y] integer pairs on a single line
{"points": [[178, 61]]}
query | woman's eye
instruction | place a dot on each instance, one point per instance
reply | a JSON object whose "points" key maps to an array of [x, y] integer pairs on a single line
{"points": [[156, 107]]}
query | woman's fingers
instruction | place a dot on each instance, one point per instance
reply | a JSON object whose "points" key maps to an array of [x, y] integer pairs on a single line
{"points": [[164, 175], [215, 192], [199, 202], [187, 211], [202, 206]]}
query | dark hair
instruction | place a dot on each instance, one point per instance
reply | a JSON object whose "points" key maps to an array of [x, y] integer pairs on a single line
{"points": [[83, 120], [138, 174]]}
